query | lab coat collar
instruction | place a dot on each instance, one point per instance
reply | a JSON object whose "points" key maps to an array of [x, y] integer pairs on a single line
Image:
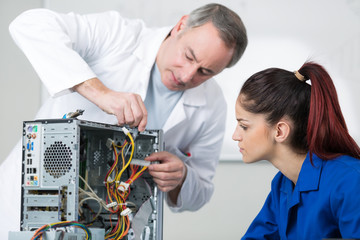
{"points": [[150, 44], [146, 52], [189, 102], [195, 96], [308, 180]]}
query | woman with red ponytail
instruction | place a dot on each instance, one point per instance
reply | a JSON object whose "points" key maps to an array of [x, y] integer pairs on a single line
{"points": [[300, 129]]}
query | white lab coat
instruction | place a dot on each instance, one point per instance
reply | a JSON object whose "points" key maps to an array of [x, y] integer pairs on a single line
{"points": [[120, 52]]}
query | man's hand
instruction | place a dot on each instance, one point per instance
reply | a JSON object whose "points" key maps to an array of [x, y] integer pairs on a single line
{"points": [[169, 175], [128, 108]]}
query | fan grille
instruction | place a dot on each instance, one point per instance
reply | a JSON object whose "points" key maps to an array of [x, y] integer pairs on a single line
{"points": [[57, 159]]}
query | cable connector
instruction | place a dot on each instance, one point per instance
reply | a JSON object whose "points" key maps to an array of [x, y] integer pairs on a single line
{"points": [[109, 143], [109, 179], [75, 114], [125, 130], [112, 204], [140, 162], [123, 186], [125, 212]]}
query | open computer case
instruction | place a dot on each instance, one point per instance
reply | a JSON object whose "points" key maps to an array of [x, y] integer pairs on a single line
{"points": [[80, 173]]}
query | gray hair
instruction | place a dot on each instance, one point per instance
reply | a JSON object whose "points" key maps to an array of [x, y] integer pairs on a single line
{"points": [[231, 29]]}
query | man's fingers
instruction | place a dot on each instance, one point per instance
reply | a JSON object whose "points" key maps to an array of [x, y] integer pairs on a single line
{"points": [[166, 176], [165, 186], [128, 115], [159, 156], [163, 183], [169, 173], [129, 109], [120, 117], [143, 121], [139, 112], [163, 167]]}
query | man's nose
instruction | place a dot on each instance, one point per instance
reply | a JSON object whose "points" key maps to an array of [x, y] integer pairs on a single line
{"points": [[189, 73]]}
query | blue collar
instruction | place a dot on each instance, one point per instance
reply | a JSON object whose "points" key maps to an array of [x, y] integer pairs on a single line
{"points": [[309, 177], [308, 180]]}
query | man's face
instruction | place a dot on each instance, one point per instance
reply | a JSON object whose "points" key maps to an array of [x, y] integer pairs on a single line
{"points": [[189, 57]]}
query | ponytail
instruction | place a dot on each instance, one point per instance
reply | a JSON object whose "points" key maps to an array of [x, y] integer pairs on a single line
{"points": [[327, 134]]}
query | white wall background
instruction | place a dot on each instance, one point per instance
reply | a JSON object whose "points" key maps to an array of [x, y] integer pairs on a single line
{"points": [[281, 33]]}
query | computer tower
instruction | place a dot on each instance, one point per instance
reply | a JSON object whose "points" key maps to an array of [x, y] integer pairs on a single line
{"points": [[76, 170]]}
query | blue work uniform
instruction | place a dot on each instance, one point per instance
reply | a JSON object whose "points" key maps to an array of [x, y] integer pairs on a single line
{"points": [[325, 203]]}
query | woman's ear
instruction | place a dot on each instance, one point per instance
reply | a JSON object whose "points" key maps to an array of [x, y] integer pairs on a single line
{"points": [[181, 24], [282, 131]]}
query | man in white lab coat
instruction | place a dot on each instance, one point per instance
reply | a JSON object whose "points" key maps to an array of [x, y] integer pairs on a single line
{"points": [[121, 72]]}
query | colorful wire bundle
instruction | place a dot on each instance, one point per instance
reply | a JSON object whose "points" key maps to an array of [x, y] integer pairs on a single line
{"points": [[40, 231], [118, 191]]}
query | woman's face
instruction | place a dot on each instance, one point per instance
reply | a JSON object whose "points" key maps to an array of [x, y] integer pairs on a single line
{"points": [[254, 135]]}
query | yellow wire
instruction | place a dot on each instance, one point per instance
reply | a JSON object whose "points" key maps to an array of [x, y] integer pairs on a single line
{"points": [[122, 154], [137, 174], [110, 235], [128, 163], [122, 226], [111, 170]]}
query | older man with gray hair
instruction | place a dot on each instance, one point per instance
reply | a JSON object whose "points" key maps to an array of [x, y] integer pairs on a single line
{"points": [[122, 72]]}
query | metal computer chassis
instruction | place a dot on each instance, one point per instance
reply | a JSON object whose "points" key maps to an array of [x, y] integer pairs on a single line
{"points": [[57, 151]]}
